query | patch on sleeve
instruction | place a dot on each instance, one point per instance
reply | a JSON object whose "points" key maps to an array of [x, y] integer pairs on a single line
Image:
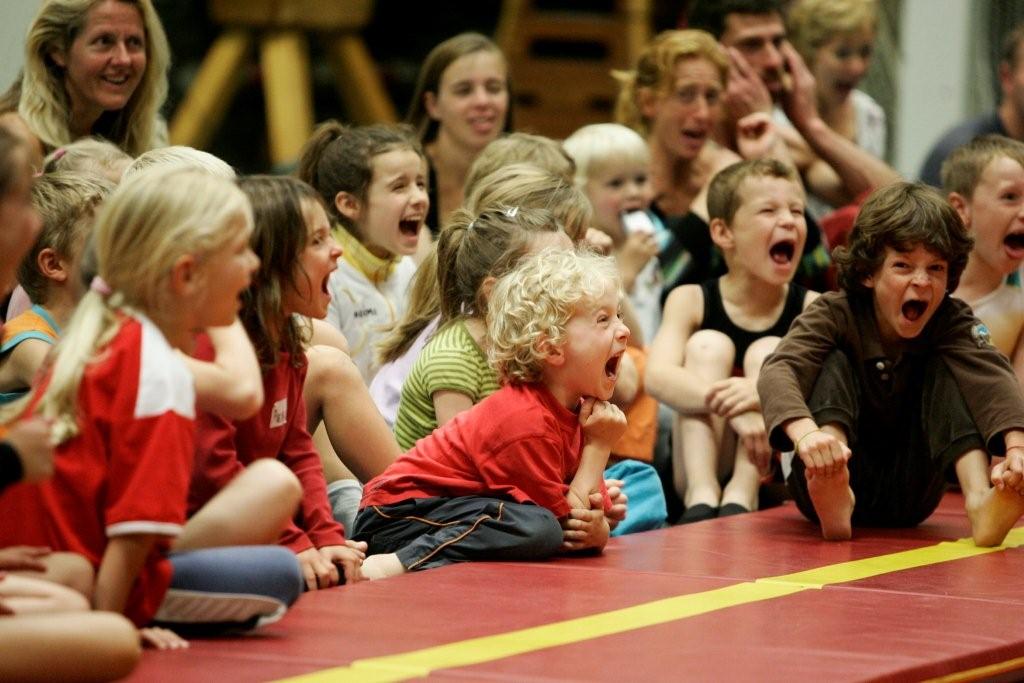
{"points": [[982, 337]]}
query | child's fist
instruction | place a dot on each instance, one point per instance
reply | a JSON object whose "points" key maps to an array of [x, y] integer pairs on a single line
{"points": [[822, 454], [603, 422]]}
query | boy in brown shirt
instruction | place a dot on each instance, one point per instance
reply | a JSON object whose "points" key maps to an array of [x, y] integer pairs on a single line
{"points": [[883, 386]]}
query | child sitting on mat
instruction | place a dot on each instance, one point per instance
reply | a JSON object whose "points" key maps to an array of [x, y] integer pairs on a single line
{"points": [[714, 336], [900, 375], [501, 480]]}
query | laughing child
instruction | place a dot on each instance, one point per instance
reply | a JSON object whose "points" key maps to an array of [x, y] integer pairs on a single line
{"points": [[984, 181], [713, 338], [373, 180], [501, 480], [896, 372]]}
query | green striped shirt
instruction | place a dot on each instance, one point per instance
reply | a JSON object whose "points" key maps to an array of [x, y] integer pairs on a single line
{"points": [[451, 361]]}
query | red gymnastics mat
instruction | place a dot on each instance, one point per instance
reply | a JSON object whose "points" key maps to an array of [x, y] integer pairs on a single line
{"points": [[755, 597]]}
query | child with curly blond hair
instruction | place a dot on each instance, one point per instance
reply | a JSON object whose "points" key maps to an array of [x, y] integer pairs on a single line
{"points": [[504, 479]]}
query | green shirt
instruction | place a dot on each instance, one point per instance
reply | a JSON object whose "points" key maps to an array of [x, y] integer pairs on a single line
{"points": [[451, 361]]}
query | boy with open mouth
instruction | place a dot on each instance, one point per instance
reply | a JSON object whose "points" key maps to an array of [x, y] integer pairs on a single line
{"points": [[883, 387], [984, 181], [519, 476], [714, 336]]}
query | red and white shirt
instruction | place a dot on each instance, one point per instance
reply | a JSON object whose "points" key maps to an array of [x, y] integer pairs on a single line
{"points": [[127, 470]]}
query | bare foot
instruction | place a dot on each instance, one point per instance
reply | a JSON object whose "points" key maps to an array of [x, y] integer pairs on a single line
{"points": [[992, 514], [833, 500], [382, 566]]}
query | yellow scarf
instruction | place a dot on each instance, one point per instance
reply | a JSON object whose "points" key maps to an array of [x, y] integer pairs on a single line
{"points": [[375, 268]]}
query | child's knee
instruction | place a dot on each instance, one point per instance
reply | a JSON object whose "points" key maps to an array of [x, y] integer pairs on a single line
{"points": [[276, 480], [710, 349], [71, 570], [329, 369], [756, 355]]}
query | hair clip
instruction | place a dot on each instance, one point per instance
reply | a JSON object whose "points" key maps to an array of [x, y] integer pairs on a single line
{"points": [[100, 286], [512, 212], [58, 153]]}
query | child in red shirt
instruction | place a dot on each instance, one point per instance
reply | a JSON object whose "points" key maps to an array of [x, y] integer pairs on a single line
{"points": [[172, 253], [503, 480], [292, 235]]}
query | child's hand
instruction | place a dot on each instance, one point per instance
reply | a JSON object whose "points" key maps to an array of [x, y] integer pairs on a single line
{"points": [[161, 639], [731, 396], [585, 529], [620, 502], [751, 432], [1009, 474], [317, 571], [603, 422], [31, 438], [756, 135], [637, 251], [24, 558], [598, 241], [822, 454], [349, 557]]}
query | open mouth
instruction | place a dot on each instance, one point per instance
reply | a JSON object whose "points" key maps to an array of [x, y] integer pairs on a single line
{"points": [[409, 226], [611, 368], [324, 285], [116, 80], [1015, 242], [695, 135], [913, 309], [782, 252]]}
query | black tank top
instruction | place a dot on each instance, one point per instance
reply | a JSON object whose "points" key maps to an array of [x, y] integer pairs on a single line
{"points": [[715, 318]]}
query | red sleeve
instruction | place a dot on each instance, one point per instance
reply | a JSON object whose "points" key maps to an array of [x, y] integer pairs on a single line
{"points": [[216, 458], [529, 470], [149, 467], [216, 462], [300, 455]]}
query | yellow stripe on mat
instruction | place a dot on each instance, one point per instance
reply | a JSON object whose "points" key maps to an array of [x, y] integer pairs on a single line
{"points": [[418, 663]]}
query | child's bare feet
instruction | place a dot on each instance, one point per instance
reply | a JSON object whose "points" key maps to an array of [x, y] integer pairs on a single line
{"points": [[833, 500], [992, 514], [382, 566]]}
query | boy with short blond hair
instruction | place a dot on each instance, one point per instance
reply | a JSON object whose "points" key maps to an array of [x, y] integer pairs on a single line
{"points": [[984, 181], [50, 275], [503, 479], [900, 375], [706, 357]]}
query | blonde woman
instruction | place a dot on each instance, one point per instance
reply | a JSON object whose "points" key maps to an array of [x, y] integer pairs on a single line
{"points": [[92, 67]]}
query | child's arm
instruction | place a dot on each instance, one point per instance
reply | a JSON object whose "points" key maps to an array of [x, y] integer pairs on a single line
{"points": [[448, 404], [586, 529], [603, 424], [821, 453], [24, 360], [1017, 360], [667, 378], [229, 385], [1010, 472], [119, 568]]}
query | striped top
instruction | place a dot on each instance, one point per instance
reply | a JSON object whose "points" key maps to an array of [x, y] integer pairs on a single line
{"points": [[451, 361]]}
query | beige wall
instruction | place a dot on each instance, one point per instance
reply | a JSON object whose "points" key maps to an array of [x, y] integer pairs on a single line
{"points": [[15, 16]]}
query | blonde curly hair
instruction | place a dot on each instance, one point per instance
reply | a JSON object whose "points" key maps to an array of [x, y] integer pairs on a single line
{"points": [[531, 306]]}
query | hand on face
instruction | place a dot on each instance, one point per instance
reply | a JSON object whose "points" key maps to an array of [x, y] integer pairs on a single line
{"points": [[745, 92]]}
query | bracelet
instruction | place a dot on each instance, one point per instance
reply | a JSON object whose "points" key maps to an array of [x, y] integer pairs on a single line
{"points": [[796, 448]]}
